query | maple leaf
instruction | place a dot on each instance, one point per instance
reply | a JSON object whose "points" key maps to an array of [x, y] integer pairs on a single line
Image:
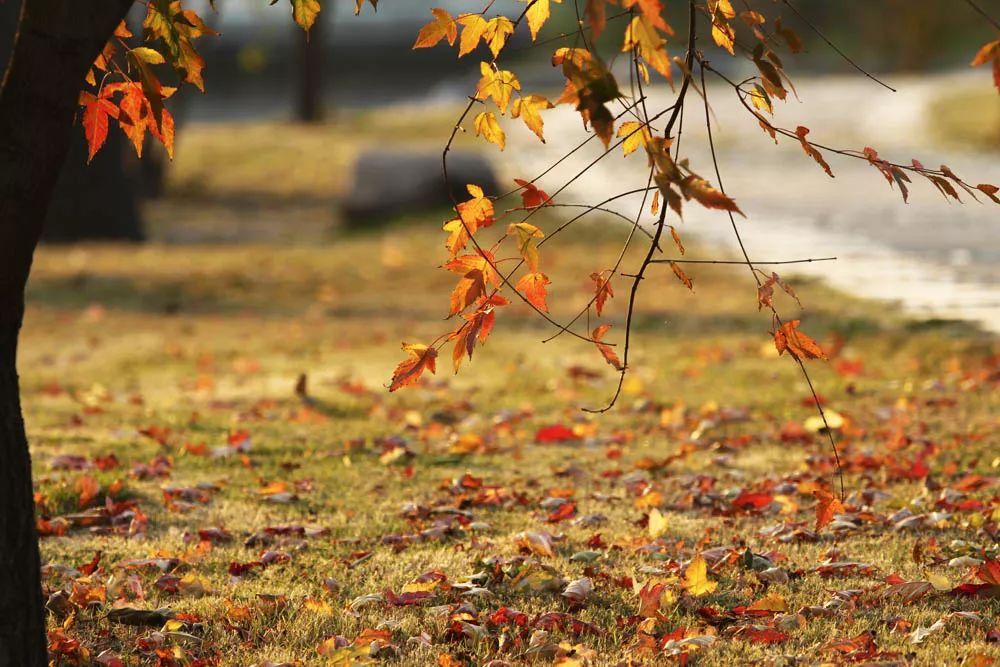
{"points": [[498, 31], [305, 12], [168, 21], [681, 276], [531, 196], [657, 524], [801, 133], [636, 136], [537, 14], [498, 85], [532, 286], [799, 345], [827, 506], [990, 52], [527, 108], [606, 350], [722, 33], [643, 37], [696, 581], [652, 11], [476, 330], [473, 214], [473, 27], [701, 191], [469, 288], [96, 114], [527, 243], [409, 370], [443, 26], [488, 127], [596, 14], [589, 86], [603, 291]]}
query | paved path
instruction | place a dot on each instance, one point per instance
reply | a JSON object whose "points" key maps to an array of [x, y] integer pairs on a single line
{"points": [[936, 258]]}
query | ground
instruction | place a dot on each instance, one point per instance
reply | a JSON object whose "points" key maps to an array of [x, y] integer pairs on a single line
{"points": [[213, 438]]}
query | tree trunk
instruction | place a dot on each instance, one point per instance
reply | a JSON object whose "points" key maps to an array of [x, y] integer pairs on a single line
{"points": [[56, 43]]}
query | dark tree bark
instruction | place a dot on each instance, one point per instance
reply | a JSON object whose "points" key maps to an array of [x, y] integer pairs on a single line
{"points": [[56, 43], [95, 201]]}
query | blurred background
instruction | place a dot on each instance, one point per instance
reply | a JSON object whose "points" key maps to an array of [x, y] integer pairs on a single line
{"points": [[309, 141]]}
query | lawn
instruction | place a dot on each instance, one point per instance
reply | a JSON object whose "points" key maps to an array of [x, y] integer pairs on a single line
{"points": [[213, 439]]}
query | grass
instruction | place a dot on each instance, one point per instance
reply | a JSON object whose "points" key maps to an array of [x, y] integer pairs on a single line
{"points": [[192, 344], [968, 118]]}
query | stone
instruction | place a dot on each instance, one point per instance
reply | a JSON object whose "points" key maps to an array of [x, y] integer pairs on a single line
{"points": [[390, 183]]}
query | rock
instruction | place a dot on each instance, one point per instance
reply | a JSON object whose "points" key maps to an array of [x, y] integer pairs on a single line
{"points": [[388, 183]]}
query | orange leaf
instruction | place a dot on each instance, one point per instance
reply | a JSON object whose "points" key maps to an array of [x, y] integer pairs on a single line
{"points": [[602, 287], [532, 286], [606, 350], [683, 277], [799, 345], [827, 506], [443, 26], [410, 369], [801, 133]]}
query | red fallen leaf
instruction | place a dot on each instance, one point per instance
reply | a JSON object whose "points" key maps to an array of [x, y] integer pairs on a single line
{"points": [[554, 434], [406, 599], [531, 196], [564, 511], [87, 488], [214, 535], [91, 567], [799, 345], [763, 635], [827, 506], [989, 572], [240, 569], [969, 590], [756, 501], [505, 615], [106, 463]]}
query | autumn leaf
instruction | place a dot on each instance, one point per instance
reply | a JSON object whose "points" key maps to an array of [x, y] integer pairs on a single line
{"points": [[358, 4], [498, 31], [722, 33], [826, 507], [801, 133], [443, 26], [606, 350], [96, 115], [696, 581], [652, 11], [602, 291], [532, 286], [799, 345], [990, 52], [420, 358], [657, 525], [528, 108], [681, 276], [488, 127], [306, 11], [527, 242], [643, 37], [693, 187], [498, 85], [531, 196], [473, 215], [538, 13], [589, 86], [636, 136]]}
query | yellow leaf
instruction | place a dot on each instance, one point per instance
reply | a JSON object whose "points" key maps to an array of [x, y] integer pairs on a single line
{"points": [[488, 128], [527, 245], [537, 14], [497, 32], [473, 27], [770, 602], [527, 108], [636, 136], [498, 85], [305, 12], [441, 27], [696, 581], [657, 524]]}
